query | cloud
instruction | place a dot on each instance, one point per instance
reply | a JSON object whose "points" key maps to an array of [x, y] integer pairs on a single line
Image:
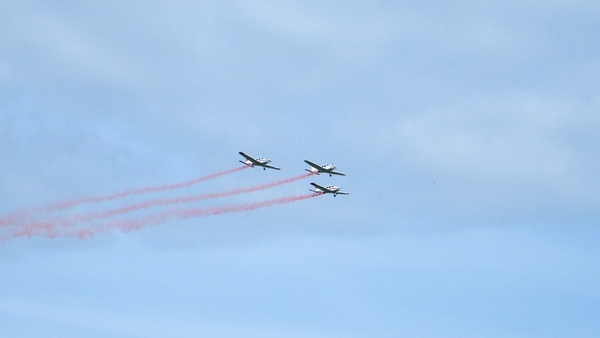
{"points": [[64, 48]]}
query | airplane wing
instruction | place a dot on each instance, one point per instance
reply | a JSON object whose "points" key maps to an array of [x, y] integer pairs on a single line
{"points": [[320, 187], [312, 164], [343, 193], [248, 158], [336, 173], [270, 167]]}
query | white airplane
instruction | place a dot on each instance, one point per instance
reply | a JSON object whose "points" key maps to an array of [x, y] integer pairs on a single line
{"points": [[325, 168], [330, 189], [261, 162]]}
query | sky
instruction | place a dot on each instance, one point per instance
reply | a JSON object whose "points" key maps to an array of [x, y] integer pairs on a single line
{"points": [[468, 131]]}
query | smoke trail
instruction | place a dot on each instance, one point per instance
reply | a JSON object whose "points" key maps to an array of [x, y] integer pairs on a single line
{"points": [[170, 201], [18, 218], [40, 228], [133, 224], [68, 204], [46, 230], [29, 228]]}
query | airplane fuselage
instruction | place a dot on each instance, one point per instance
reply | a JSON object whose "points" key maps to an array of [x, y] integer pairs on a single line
{"points": [[325, 168], [330, 189], [260, 161]]}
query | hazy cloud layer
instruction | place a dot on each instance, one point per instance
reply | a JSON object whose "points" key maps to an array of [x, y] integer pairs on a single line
{"points": [[468, 131]]}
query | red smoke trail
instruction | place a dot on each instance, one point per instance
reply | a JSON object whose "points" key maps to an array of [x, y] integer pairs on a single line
{"points": [[133, 224], [43, 228], [46, 226], [18, 218], [140, 191], [129, 225], [195, 198]]}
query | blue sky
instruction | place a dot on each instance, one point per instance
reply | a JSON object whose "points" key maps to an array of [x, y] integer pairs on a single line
{"points": [[469, 132]]}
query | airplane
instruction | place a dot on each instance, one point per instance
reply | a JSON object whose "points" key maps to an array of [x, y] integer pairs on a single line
{"points": [[261, 162], [330, 189], [325, 168]]}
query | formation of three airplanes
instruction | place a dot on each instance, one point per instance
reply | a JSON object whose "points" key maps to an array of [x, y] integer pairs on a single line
{"points": [[315, 168]]}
